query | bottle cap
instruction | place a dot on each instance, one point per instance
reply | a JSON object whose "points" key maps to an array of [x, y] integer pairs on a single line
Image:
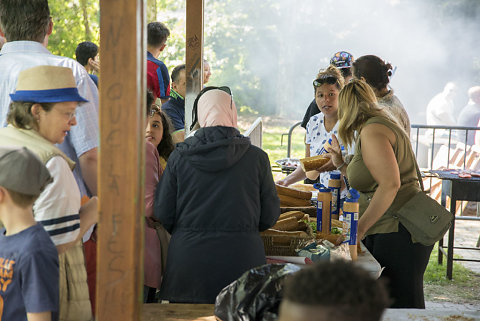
{"points": [[335, 174], [354, 196], [321, 188]]}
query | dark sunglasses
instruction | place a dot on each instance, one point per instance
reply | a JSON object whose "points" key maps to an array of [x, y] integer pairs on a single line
{"points": [[204, 90], [326, 79]]}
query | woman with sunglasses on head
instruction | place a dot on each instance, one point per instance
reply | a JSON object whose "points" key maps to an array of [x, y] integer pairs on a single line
{"points": [[383, 170], [320, 127], [215, 196], [377, 73]]}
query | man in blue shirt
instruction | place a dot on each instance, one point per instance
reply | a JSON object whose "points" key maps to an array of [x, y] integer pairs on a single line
{"points": [[175, 107], [27, 26]]}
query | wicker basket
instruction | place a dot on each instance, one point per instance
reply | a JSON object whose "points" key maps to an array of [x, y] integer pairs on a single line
{"points": [[280, 245]]}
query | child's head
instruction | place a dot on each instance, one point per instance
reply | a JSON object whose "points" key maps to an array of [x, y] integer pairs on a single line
{"points": [[23, 176], [333, 291]]}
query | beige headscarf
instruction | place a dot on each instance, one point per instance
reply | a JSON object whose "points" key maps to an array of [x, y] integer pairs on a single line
{"points": [[216, 108]]}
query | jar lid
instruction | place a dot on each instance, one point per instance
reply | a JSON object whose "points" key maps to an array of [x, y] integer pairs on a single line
{"points": [[335, 174]]}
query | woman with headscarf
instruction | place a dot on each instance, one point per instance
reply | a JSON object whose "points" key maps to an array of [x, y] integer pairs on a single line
{"points": [[215, 196]]}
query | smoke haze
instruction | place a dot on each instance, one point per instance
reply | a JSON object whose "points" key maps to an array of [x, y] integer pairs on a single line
{"points": [[427, 50]]}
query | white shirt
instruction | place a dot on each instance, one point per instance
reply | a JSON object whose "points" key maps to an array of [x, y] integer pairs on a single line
{"points": [[16, 56], [317, 136], [57, 208], [440, 111]]}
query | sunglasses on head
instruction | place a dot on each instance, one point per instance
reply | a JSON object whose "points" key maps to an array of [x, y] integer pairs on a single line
{"points": [[204, 90], [154, 110], [326, 79]]}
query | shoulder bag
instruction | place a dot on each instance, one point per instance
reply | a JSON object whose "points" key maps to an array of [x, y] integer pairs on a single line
{"points": [[425, 219]]}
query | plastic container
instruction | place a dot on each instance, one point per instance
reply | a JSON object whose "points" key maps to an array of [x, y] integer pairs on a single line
{"points": [[350, 221], [334, 185], [324, 200], [327, 144]]}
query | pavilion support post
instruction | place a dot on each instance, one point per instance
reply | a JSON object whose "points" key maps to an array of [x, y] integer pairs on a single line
{"points": [[121, 162], [194, 56]]}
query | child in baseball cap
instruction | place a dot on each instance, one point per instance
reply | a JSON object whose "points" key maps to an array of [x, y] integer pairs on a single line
{"points": [[28, 257]]}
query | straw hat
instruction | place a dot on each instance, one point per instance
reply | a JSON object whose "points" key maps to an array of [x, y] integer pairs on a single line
{"points": [[46, 84]]}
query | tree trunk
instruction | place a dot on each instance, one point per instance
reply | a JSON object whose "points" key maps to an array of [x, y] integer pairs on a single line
{"points": [[88, 33]]}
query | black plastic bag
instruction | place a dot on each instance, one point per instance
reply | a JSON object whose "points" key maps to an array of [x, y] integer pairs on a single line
{"points": [[256, 295]]}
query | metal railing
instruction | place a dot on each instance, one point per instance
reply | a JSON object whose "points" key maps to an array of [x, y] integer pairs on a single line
{"points": [[432, 138], [255, 132]]}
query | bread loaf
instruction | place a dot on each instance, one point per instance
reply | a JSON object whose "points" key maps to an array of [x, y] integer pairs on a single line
{"points": [[288, 224], [283, 190], [297, 214], [336, 239], [310, 210], [292, 201], [337, 223], [311, 163], [304, 187]]}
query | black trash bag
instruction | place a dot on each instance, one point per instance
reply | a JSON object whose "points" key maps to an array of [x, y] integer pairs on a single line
{"points": [[256, 295]]}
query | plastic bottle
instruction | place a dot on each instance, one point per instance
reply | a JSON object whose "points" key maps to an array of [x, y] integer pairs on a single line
{"points": [[324, 200], [350, 222], [327, 144], [334, 185]]}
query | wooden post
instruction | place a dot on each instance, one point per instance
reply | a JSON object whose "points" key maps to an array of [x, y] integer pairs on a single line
{"points": [[121, 163], [194, 57]]}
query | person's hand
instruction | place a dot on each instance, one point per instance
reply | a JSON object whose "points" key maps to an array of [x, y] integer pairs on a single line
{"points": [[327, 167], [91, 209], [282, 182], [335, 152], [95, 65]]}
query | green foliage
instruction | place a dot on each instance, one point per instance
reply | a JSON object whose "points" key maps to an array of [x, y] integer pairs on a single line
{"points": [[246, 110], [73, 22]]}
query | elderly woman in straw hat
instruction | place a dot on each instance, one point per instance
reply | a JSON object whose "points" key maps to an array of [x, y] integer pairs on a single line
{"points": [[40, 115]]}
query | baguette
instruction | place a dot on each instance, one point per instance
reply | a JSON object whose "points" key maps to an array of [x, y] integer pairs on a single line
{"points": [[304, 187], [310, 210], [337, 223], [336, 239], [297, 214], [292, 201], [288, 224], [311, 163], [283, 190]]}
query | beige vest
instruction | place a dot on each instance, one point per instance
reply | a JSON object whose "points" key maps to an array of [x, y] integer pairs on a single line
{"points": [[74, 297], [45, 150]]}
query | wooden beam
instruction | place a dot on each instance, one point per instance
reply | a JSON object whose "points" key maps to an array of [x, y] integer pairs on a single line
{"points": [[193, 56], [121, 164]]}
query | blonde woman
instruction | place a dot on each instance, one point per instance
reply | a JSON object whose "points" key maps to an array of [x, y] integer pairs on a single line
{"points": [[383, 171]]}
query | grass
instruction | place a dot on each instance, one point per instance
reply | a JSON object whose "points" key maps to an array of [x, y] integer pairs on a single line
{"points": [[462, 289]]}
